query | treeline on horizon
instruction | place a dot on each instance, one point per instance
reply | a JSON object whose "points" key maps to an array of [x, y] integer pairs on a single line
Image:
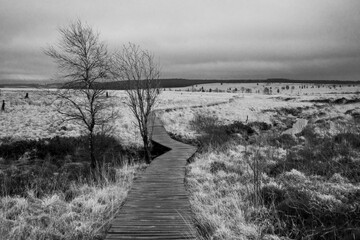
{"points": [[180, 82]]}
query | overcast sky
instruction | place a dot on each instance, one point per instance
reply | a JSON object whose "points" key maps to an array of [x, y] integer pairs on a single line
{"points": [[226, 39]]}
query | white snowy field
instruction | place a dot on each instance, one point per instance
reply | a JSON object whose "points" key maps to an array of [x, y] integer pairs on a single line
{"points": [[257, 107], [37, 117]]}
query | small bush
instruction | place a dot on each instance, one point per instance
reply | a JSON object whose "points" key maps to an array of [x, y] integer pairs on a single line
{"points": [[352, 138], [263, 126], [239, 127], [212, 132], [272, 194], [290, 111], [284, 140], [204, 123], [310, 135], [217, 166]]}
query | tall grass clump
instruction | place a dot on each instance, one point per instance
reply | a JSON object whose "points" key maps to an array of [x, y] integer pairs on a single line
{"points": [[211, 133]]}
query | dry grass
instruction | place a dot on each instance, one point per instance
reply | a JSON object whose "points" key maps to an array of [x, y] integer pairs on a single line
{"points": [[271, 185], [218, 194], [86, 216]]}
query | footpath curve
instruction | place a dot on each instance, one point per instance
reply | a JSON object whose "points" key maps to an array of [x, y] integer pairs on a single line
{"points": [[157, 206]]}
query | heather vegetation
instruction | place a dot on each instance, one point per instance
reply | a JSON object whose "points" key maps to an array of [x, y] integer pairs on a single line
{"points": [[48, 190], [272, 177]]}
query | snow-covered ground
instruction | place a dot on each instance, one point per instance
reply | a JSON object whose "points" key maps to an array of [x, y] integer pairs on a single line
{"points": [[258, 107], [36, 117]]}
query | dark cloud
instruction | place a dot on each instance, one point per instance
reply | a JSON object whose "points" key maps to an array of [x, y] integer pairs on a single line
{"points": [[198, 38]]}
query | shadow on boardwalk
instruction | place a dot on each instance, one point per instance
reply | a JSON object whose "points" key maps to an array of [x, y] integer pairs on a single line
{"points": [[157, 206]]}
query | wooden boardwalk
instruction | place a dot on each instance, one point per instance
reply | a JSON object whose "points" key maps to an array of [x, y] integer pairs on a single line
{"points": [[157, 206]]}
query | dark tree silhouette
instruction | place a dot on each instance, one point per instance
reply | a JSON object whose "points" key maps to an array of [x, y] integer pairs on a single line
{"points": [[139, 69], [83, 61]]}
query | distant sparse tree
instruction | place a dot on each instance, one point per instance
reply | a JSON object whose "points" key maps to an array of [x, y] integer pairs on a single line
{"points": [[138, 68], [3, 106], [266, 91], [27, 95], [83, 61], [287, 87]]}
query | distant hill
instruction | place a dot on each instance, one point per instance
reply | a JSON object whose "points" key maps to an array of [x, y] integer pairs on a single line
{"points": [[21, 85], [179, 82]]}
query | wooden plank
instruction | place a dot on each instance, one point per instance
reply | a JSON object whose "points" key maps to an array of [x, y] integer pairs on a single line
{"points": [[157, 206]]}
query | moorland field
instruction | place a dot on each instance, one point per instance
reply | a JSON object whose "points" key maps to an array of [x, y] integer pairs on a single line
{"points": [[274, 161]]}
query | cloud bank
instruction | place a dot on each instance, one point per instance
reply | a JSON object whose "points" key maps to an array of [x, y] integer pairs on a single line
{"points": [[195, 38]]}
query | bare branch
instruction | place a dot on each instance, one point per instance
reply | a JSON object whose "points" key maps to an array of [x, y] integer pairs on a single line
{"points": [[83, 62], [138, 68]]}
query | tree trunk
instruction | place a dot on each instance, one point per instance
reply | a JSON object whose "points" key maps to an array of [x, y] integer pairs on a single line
{"points": [[92, 155], [147, 150]]}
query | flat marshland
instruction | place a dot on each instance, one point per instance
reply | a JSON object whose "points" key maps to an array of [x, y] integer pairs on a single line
{"points": [[47, 190], [279, 166], [275, 161]]}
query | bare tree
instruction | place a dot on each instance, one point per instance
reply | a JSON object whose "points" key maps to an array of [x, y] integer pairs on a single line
{"points": [[138, 68], [83, 61]]}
